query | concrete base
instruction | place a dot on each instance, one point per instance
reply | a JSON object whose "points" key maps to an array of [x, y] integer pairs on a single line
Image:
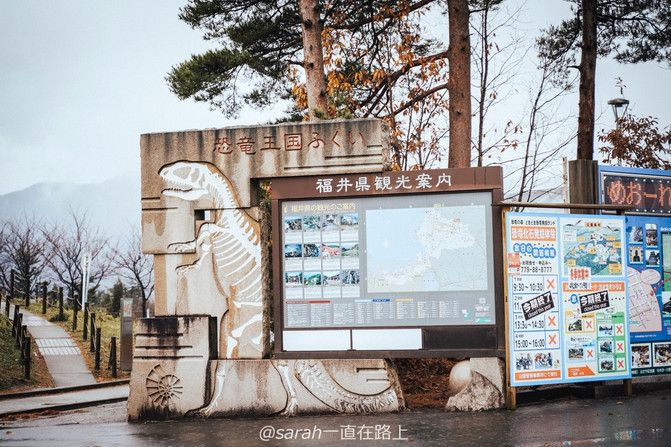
{"points": [[170, 366], [174, 375], [292, 387], [265, 388], [477, 384]]}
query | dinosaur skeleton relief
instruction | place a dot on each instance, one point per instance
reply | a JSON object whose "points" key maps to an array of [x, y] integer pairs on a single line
{"points": [[309, 385], [225, 278]]}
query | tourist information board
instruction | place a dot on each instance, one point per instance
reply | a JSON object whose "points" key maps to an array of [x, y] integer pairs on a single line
{"points": [[373, 262], [648, 258], [567, 303]]}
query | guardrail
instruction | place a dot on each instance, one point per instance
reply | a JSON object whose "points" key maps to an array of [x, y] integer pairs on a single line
{"points": [[22, 339]]}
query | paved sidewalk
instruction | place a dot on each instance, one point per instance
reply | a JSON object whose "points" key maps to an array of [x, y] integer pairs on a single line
{"points": [[64, 360], [67, 399], [642, 420]]}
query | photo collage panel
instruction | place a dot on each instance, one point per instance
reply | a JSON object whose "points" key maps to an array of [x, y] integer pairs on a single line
{"points": [[321, 256]]}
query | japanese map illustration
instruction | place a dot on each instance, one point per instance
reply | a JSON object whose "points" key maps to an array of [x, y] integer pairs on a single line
{"points": [[644, 313], [427, 249], [597, 247]]}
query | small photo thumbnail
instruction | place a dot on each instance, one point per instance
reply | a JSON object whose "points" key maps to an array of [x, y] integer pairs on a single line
{"points": [[293, 279], [293, 250], [311, 251], [312, 222], [293, 223], [312, 279], [636, 235]]}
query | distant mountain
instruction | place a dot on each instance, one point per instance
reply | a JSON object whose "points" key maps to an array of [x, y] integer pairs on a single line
{"points": [[112, 205]]}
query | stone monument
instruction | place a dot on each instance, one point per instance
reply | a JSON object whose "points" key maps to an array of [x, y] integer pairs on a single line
{"points": [[207, 351]]}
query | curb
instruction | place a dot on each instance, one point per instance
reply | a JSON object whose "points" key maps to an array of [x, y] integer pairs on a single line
{"points": [[64, 407], [65, 389]]}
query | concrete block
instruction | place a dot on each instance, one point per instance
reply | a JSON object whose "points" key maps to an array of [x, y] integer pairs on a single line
{"points": [[170, 366]]}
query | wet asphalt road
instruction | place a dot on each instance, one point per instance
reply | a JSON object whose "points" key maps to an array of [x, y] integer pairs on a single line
{"points": [[641, 420]]}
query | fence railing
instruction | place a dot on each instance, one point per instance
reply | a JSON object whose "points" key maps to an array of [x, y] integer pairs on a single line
{"points": [[90, 330], [22, 338]]}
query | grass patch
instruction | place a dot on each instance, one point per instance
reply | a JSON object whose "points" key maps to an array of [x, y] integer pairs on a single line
{"points": [[10, 357], [109, 325], [11, 367]]}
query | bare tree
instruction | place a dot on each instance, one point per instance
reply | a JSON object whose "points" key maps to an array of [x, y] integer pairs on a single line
{"points": [[136, 267], [497, 55], [630, 31], [24, 252], [544, 141], [68, 244]]}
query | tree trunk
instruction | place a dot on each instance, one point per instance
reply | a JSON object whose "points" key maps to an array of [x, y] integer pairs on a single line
{"points": [[484, 79], [459, 57], [587, 74], [26, 288], [144, 302], [313, 58]]}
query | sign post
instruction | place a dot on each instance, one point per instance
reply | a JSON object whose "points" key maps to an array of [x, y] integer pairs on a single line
{"points": [[126, 357], [86, 266]]}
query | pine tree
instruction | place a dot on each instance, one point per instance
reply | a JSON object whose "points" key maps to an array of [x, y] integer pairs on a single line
{"points": [[631, 31]]}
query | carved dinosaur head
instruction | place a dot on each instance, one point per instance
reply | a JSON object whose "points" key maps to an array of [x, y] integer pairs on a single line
{"points": [[195, 180]]}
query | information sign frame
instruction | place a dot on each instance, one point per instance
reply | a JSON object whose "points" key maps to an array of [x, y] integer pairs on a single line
{"points": [[576, 337], [389, 341], [648, 225]]}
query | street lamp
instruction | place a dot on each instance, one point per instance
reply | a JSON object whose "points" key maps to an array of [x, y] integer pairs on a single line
{"points": [[617, 104]]}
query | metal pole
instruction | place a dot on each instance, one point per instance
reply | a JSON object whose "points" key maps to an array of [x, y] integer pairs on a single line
{"points": [[7, 302]]}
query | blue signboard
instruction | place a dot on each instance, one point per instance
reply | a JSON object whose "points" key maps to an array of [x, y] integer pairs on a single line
{"points": [[648, 261]]}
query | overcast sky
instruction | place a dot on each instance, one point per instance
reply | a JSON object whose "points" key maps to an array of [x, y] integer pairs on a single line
{"points": [[81, 80]]}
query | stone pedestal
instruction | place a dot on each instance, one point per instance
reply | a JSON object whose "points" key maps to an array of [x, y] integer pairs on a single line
{"points": [[192, 387], [292, 387], [477, 384], [170, 366]]}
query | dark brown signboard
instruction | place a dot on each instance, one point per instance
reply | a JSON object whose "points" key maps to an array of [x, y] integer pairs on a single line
{"points": [[390, 182], [648, 194], [388, 264]]}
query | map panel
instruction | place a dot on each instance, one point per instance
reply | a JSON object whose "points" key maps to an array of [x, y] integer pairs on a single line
{"points": [[417, 253], [595, 246], [407, 261]]}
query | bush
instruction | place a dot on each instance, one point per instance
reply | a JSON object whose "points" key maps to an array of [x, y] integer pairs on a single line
{"points": [[57, 317]]}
